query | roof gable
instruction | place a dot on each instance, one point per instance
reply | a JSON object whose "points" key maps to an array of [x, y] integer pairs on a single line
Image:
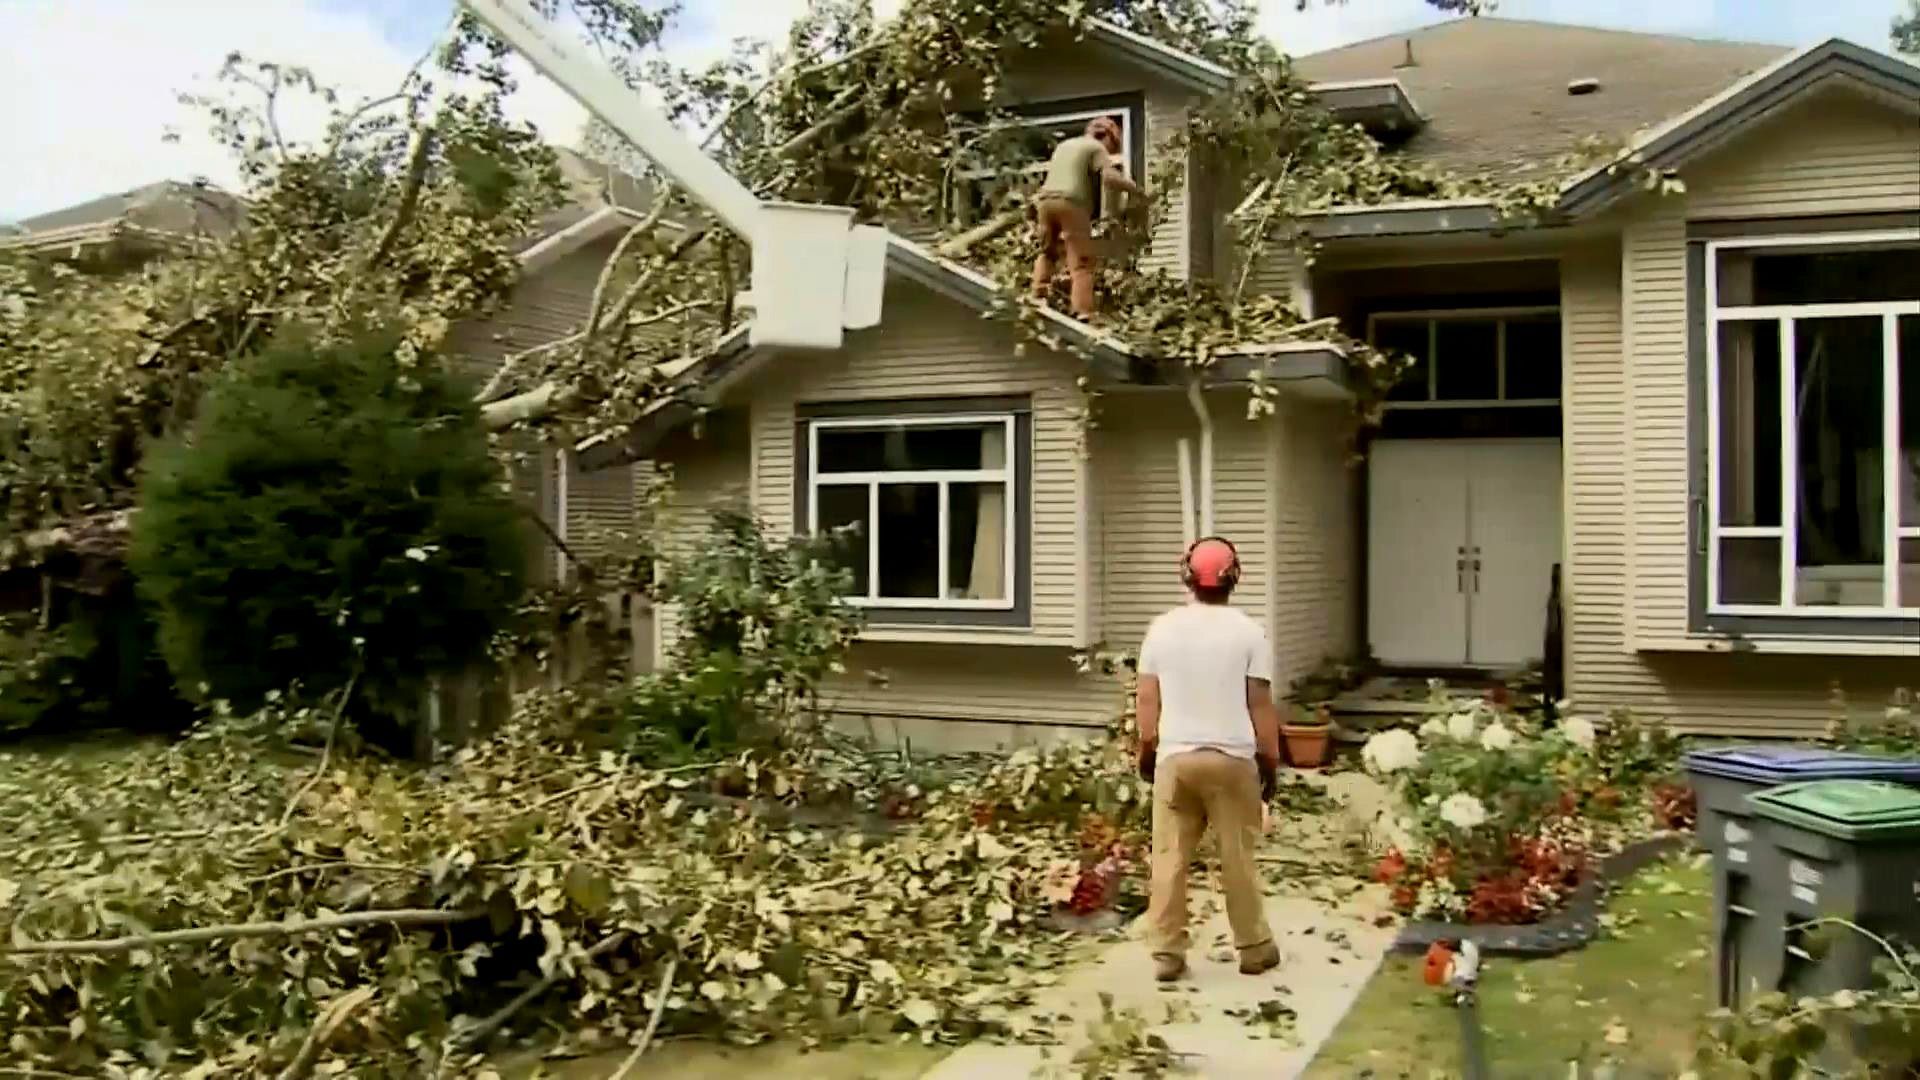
{"points": [[1736, 109], [1495, 94]]}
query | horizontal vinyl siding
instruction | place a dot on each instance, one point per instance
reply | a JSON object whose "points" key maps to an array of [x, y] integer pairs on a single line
{"points": [[1833, 153], [933, 348], [1137, 475], [1315, 537], [998, 683], [703, 473], [1276, 271], [1626, 389], [1059, 74]]}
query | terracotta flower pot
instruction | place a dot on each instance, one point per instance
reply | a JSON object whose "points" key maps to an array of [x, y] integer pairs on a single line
{"points": [[1307, 742]]}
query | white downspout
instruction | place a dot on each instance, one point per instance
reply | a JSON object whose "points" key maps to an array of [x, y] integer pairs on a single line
{"points": [[1185, 448], [1199, 403]]}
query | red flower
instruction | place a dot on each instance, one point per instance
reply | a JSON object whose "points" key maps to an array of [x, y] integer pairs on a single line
{"points": [[1390, 868]]}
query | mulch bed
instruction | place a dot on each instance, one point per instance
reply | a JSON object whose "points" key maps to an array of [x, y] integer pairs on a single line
{"points": [[1570, 928]]}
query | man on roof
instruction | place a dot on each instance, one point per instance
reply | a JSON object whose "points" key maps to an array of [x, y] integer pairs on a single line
{"points": [[1081, 167]]}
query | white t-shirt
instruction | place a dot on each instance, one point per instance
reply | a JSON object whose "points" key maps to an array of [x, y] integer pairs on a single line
{"points": [[1204, 654]]}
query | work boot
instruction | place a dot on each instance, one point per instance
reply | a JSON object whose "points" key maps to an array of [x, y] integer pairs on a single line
{"points": [[1168, 966], [1259, 959]]}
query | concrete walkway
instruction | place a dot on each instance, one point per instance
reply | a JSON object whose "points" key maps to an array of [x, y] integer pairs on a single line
{"points": [[1332, 933]]}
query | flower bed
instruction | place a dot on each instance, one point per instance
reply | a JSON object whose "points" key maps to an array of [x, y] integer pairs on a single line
{"points": [[1504, 817]]}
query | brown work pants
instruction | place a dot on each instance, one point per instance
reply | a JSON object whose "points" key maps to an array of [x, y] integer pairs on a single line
{"points": [[1191, 791], [1065, 224]]}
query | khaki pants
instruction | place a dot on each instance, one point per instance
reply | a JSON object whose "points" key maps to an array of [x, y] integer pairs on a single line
{"points": [[1192, 790], [1065, 224]]}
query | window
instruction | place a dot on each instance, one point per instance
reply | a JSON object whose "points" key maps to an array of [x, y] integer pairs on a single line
{"points": [[1812, 400], [980, 189], [925, 509], [1487, 358]]}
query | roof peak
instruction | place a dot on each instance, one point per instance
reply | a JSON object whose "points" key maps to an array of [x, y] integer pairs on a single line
{"points": [[1453, 25]]}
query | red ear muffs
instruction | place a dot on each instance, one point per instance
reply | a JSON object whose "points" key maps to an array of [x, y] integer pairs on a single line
{"points": [[1210, 562]]}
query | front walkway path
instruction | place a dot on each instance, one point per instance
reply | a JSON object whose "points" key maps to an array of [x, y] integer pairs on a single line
{"points": [[1331, 940]]}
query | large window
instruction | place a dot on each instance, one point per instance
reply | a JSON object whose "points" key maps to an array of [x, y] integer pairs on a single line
{"points": [[924, 508], [1478, 358], [1812, 396], [982, 183]]}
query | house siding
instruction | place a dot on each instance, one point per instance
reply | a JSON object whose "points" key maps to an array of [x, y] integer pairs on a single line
{"points": [[934, 348], [1626, 386], [1314, 517], [1136, 467], [704, 472], [1083, 72]]}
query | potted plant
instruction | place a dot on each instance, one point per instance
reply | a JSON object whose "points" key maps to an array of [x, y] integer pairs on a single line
{"points": [[1308, 736]]}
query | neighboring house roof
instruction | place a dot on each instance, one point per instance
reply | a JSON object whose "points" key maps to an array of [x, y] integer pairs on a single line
{"points": [[159, 214], [1667, 144], [1494, 91]]}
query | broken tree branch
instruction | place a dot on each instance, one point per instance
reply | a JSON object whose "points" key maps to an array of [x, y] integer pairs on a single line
{"points": [[326, 752], [417, 155], [788, 74], [842, 108], [480, 1032], [198, 935], [960, 245], [643, 227], [653, 1022], [331, 1019]]}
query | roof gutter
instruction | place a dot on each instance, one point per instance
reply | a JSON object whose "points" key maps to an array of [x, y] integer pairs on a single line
{"points": [[1174, 64]]}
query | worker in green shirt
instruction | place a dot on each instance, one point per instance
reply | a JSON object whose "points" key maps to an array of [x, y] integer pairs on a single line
{"points": [[1064, 208]]}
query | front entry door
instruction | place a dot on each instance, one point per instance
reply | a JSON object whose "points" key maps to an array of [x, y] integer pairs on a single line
{"points": [[1416, 538], [1462, 538], [1513, 542]]}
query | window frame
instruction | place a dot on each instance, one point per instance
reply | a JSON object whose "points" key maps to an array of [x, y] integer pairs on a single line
{"points": [[1500, 316], [1133, 133], [1013, 611], [1705, 316]]}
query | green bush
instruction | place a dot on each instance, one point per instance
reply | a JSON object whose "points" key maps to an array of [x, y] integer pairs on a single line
{"points": [[93, 664], [760, 625], [333, 515]]}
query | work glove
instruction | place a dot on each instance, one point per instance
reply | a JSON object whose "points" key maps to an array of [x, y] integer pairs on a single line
{"points": [[1146, 757], [1269, 768]]}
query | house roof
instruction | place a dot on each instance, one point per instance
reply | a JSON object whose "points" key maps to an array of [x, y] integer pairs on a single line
{"points": [[1667, 145], [1176, 64], [1494, 91], [167, 211], [1314, 368]]}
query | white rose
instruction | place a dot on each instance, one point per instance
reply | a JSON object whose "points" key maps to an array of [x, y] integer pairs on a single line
{"points": [[1580, 732], [1391, 751], [1434, 728], [1463, 812], [1461, 726], [1498, 736]]}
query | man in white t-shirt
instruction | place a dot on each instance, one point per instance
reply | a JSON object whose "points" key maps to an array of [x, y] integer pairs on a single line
{"points": [[1210, 744]]}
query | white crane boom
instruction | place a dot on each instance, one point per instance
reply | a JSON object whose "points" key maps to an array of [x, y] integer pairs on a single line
{"points": [[815, 273]]}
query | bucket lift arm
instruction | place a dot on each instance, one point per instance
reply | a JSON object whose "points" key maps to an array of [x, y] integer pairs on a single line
{"points": [[815, 273]]}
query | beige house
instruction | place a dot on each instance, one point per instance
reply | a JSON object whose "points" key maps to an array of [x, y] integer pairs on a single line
{"points": [[1697, 412]]}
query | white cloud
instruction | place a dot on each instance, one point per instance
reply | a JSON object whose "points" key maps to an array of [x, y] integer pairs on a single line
{"points": [[90, 87]]}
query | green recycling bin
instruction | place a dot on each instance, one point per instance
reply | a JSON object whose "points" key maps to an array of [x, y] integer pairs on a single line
{"points": [[1839, 849]]}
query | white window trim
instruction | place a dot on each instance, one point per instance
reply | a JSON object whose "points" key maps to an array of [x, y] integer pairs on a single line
{"points": [[944, 478], [1433, 317], [1787, 532], [1047, 119]]}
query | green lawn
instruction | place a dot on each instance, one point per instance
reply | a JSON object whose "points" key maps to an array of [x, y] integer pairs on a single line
{"points": [[1648, 984]]}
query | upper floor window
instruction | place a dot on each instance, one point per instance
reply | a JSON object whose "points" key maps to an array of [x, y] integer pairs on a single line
{"points": [[929, 508], [1473, 358], [1812, 433], [983, 183]]}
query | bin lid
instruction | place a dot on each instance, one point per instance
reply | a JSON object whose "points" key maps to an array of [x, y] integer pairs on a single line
{"points": [[1847, 809], [1786, 764]]}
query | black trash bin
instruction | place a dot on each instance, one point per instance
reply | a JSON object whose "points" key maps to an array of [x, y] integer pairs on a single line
{"points": [[1845, 850], [1722, 777]]}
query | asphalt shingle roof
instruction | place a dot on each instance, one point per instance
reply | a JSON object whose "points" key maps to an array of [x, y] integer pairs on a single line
{"points": [[1495, 90]]}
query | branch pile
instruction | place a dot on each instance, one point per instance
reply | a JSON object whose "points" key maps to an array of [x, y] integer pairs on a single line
{"points": [[159, 916]]}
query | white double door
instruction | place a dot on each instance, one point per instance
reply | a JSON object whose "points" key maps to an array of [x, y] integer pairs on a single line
{"points": [[1462, 538]]}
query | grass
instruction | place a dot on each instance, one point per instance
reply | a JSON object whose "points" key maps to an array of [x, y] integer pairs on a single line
{"points": [[1648, 983]]}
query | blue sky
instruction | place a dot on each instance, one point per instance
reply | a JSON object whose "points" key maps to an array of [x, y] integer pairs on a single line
{"points": [[87, 87]]}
